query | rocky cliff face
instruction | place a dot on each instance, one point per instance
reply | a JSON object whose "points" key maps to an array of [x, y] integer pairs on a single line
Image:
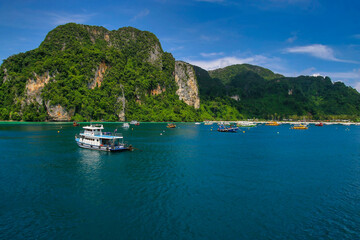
{"points": [[121, 101], [59, 113], [158, 90], [155, 55], [188, 89], [34, 87], [99, 76]]}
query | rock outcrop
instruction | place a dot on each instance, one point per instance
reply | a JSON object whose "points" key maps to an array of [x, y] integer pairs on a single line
{"points": [[158, 90], [6, 77], [121, 101], [188, 89], [155, 55], [35, 86], [58, 113], [99, 76]]}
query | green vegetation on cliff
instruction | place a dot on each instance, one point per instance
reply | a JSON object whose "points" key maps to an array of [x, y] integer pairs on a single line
{"points": [[82, 72], [131, 64]]}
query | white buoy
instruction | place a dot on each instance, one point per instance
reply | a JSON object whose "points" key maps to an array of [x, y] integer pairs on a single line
{"points": [[160, 133]]}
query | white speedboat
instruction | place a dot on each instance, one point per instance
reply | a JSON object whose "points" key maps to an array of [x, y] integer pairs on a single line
{"points": [[126, 125], [94, 138]]}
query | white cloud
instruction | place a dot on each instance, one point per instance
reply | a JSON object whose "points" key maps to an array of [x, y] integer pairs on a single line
{"points": [[350, 78], [318, 51], [291, 39], [357, 86], [62, 18], [227, 61], [141, 14], [177, 48], [209, 38], [213, 54]]}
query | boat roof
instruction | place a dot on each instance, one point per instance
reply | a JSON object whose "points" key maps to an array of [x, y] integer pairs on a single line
{"points": [[94, 127], [102, 136]]}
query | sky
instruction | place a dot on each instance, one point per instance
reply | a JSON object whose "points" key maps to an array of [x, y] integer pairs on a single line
{"points": [[290, 37]]}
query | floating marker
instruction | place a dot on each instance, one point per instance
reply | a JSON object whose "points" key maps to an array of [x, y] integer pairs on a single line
{"points": [[58, 131], [277, 132], [160, 133], [243, 131]]}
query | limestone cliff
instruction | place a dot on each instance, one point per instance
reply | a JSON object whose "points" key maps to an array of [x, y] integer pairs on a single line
{"points": [[35, 85], [5, 78], [99, 76], [188, 89], [59, 113], [155, 55], [158, 90], [121, 101]]}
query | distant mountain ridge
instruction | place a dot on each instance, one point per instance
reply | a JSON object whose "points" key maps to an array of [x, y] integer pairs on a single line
{"points": [[260, 92], [82, 72], [224, 74]]}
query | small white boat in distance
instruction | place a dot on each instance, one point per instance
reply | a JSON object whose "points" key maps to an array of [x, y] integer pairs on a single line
{"points": [[126, 125], [94, 138], [197, 123]]}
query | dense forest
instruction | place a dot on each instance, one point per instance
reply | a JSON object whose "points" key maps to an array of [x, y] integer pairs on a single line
{"points": [[258, 92], [85, 73]]}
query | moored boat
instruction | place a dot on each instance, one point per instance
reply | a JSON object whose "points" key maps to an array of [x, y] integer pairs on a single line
{"points": [[223, 128], [299, 127], [246, 124], [94, 138], [134, 122], [208, 123], [273, 123], [319, 124], [126, 125], [171, 125], [75, 124]]}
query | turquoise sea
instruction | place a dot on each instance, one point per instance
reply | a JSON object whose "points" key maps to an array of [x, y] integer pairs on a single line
{"points": [[185, 183]]}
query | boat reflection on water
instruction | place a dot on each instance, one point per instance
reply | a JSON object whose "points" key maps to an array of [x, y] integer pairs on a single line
{"points": [[90, 161]]}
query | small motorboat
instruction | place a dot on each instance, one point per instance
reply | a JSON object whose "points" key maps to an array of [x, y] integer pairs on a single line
{"points": [[171, 125], [299, 127], [319, 124], [272, 124], [76, 124], [246, 124], [222, 128], [126, 125]]}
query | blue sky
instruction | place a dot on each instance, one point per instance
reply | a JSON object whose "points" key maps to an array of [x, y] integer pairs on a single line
{"points": [[291, 37]]}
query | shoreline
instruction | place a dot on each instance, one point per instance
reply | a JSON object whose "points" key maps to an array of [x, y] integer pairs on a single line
{"points": [[212, 122]]}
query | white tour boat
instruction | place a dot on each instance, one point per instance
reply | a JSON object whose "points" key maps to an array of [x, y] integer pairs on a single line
{"points": [[94, 138]]}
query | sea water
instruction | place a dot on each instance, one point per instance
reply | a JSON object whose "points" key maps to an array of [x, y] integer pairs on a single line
{"points": [[190, 182]]}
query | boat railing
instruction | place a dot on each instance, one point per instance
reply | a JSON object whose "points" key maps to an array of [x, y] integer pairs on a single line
{"points": [[112, 134]]}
